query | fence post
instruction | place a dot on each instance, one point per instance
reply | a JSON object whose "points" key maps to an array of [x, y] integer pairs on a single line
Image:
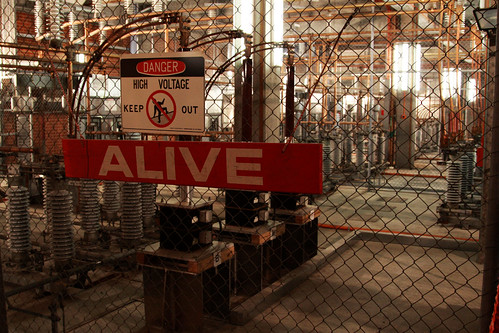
{"points": [[3, 301], [491, 245]]}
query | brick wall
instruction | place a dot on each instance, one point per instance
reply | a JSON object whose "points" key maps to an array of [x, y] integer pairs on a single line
{"points": [[25, 23], [48, 131]]}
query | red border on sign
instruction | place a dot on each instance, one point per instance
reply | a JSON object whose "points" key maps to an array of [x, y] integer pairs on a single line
{"points": [[151, 99]]}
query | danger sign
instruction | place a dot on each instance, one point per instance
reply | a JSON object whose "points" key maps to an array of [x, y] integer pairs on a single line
{"points": [[162, 93]]}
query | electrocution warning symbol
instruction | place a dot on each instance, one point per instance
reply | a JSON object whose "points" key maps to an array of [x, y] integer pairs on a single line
{"points": [[161, 108]]}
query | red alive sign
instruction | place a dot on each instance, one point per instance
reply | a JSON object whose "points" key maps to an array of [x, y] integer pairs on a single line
{"points": [[235, 165]]}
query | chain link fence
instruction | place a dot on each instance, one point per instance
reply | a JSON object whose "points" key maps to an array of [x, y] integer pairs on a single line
{"points": [[399, 95]]}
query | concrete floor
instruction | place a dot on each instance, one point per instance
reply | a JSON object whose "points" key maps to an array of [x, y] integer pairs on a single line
{"points": [[376, 287], [371, 285], [385, 210]]}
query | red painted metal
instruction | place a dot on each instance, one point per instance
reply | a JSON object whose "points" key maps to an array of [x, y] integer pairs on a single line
{"points": [[235, 165]]}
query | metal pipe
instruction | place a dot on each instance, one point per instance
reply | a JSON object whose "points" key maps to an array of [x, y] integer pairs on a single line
{"points": [[131, 15], [105, 133], [32, 313], [467, 212], [101, 315], [405, 189], [386, 173], [363, 5], [234, 59], [143, 31], [35, 68], [388, 31], [29, 58], [29, 47], [67, 273], [18, 150], [339, 123], [424, 158], [54, 318], [490, 265], [370, 111], [69, 59], [350, 228], [102, 29], [260, 79], [311, 91], [231, 34], [49, 49], [124, 133], [125, 30], [296, 19], [221, 132]]}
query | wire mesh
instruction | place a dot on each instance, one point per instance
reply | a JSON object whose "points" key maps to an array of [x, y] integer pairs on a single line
{"points": [[399, 95]]}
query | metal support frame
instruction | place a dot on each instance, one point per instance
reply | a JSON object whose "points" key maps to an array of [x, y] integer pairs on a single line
{"points": [[491, 263]]}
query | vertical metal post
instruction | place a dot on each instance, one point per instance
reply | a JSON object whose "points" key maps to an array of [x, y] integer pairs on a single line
{"points": [[491, 245], [185, 191], [247, 107], [259, 72], [370, 106], [69, 60], [238, 101], [185, 195], [185, 33], [290, 98], [3, 302]]}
